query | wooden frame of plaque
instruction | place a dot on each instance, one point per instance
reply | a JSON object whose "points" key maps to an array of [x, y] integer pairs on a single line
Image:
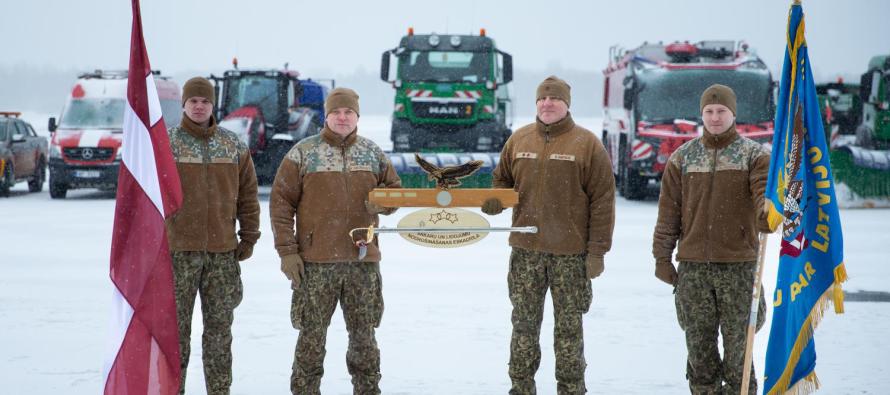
{"points": [[420, 197]]}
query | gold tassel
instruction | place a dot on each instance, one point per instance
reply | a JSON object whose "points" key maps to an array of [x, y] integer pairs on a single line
{"points": [[774, 217], [805, 386], [840, 276], [810, 383]]}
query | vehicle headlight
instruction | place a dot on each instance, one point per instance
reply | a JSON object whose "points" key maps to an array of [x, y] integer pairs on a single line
{"points": [[119, 154], [55, 151]]}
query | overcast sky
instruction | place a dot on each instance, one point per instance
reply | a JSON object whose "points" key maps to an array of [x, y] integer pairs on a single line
{"points": [[47, 42], [340, 36]]}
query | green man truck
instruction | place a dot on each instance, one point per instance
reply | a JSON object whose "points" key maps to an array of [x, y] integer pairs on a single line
{"points": [[451, 93]]}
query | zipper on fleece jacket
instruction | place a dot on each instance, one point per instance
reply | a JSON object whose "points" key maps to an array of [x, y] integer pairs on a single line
{"points": [[542, 175], [711, 204], [205, 162], [345, 176]]}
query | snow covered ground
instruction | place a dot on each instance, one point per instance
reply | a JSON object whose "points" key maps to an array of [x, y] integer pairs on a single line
{"points": [[446, 328]]}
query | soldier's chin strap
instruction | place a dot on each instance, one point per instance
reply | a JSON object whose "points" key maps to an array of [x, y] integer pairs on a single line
{"points": [[362, 244]]}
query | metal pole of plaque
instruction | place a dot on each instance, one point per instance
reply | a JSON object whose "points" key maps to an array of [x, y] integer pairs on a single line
{"points": [[518, 229]]}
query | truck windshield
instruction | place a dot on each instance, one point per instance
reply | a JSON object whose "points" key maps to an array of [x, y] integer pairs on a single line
{"points": [[445, 66], [253, 90], [666, 95], [105, 113], [3, 124]]}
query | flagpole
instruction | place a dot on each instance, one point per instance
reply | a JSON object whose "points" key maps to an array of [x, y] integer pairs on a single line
{"points": [[752, 319]]}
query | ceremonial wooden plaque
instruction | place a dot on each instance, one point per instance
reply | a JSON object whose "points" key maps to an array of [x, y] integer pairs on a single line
{"points": [[420, 197]]}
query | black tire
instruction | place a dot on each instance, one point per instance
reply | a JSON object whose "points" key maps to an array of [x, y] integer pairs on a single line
{"points": [[607, 145], [633, 185], [57, 190], [35, 184], [8, 180]]}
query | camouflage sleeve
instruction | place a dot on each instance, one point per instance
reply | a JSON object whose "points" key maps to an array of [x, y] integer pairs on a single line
{"points": [[600, 191], [502, 176], [670, 204], [248, 203], [757, 184], [283, 202], [388, 179]]}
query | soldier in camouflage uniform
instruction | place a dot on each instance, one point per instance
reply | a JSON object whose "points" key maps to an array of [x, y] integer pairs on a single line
{"points": [[319, 194], [566, 189], [219, 186], [711, 209]]}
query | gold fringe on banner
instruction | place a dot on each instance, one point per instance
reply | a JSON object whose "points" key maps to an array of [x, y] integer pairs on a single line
{"points": [[809, 384]]}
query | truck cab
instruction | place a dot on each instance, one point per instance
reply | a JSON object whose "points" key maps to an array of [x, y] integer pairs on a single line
{"points": [[85, 147], [451, 93], [874, 130], [270, 110], [651, 103]]}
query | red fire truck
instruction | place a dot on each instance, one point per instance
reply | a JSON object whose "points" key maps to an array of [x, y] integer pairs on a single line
{"points": [[651, 103]]}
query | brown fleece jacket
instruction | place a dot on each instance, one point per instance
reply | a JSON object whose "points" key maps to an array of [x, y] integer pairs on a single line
{"points": [[566, 188], [711, 200], [322, 185], [219, 186]]}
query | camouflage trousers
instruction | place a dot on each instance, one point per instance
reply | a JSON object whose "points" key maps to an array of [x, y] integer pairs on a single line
{"points": [[531, 274], [217, 277], [712, 297], [357, 287]]}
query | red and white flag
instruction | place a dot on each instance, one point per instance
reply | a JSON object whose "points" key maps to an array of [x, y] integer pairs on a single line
{"points": [[143, 353]]}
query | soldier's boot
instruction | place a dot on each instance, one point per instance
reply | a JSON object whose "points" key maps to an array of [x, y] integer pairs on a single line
{"points": [[363, 360]]}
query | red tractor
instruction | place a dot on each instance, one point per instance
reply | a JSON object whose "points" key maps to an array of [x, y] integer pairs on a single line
{"points": [[651, 103]]}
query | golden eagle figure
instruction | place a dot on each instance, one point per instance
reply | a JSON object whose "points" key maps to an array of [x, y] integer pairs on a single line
{"points": [[447, 177]]}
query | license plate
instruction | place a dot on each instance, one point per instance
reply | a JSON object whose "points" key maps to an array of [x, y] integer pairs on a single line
{"points": [[87, 173]]}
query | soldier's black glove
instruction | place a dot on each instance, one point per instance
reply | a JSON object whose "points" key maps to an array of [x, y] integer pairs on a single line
{"points": [[665, 271], [492, 206], [595, 266], [244, 250], [292, 267]]}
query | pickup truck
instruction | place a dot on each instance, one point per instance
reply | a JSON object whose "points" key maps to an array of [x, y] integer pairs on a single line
{"points": [[23, 154]]}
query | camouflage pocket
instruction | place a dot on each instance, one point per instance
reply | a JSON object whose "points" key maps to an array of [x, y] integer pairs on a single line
{"points": [[586, 297], [681, 316], [678, 305], [376, 310], [298, 300], [232, 287]]}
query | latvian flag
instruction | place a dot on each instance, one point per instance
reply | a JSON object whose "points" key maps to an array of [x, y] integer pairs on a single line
{"points": [[143, 354]]}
